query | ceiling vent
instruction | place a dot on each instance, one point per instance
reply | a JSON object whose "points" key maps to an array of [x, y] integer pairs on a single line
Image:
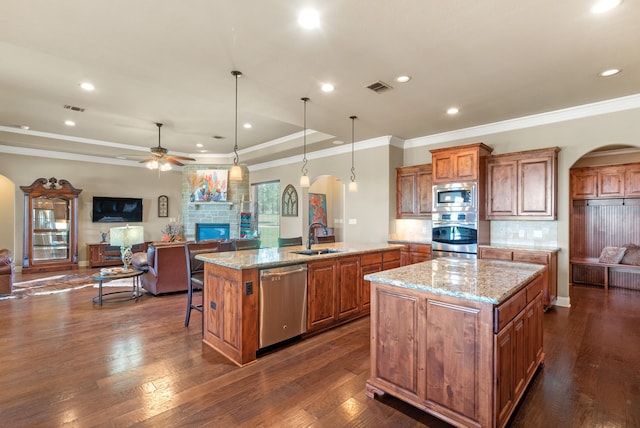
{"points": [[73, 108], [379, 86]]}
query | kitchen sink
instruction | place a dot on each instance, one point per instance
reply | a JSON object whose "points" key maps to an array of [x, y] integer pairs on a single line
{"points": [[317, 252]]}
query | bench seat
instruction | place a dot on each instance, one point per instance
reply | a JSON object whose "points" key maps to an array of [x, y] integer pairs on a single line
{"points": [[594, 261]]}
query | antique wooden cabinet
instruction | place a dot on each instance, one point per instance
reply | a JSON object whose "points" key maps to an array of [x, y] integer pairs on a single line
{"points": [[459, 164], [523, 185], [414, 191], [50, 226]]}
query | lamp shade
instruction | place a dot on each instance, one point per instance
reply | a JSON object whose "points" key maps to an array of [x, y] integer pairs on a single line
{"points": [[126, 236], [304, 181], [353, 186], [235, 173]]}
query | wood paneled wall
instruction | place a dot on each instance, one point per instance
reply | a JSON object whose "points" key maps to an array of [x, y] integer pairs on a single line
{"points": [[596, 224]]}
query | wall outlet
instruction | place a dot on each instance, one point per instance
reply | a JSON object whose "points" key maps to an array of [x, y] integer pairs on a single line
{"points": [[353, 221], [521, 234], [424, 230], [537, 234]]}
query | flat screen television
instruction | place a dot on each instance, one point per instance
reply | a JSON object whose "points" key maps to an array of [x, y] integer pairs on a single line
{"points": [[117, 210]]}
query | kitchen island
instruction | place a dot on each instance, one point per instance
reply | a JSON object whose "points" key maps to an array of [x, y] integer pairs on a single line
{"points": [[458, 338], [336, 291]]}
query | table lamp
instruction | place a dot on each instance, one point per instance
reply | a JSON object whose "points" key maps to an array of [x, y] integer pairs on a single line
{"points": [[125, 237]]}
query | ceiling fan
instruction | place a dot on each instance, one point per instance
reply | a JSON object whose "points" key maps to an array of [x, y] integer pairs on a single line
{"points": [[161, 159]]}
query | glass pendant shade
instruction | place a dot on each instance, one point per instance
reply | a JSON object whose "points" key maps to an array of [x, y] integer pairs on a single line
{"points": [[353, 187], [304, 181]]}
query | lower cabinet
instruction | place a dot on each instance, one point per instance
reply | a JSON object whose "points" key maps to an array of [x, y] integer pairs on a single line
{"points": [[101, 255], [415, 253], [465, 361], [337, 291], [548, 258]]}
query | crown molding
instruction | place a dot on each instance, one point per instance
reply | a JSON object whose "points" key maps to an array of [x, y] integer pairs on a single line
{"points": [[587, 110]]}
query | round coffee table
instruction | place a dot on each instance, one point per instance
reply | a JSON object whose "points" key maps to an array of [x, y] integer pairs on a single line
{"points": [[132, 295]]}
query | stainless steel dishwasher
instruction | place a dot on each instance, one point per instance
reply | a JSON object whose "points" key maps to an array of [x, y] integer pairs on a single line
{"points": [[283, 303]]}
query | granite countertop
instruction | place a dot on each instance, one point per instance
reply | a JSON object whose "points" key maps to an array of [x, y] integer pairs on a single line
{"points": [[491, 281], [272, 257], [521, 247]]}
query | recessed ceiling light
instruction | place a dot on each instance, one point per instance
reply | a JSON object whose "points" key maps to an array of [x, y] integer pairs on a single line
{"points": [[403, 79], [248, 126], [87, 86], [453, 110], [338, 142], [199, 145], [203, 151], [602, 6], [25, 127], [327, 87], [610, 72], [309, 19], [69, 123]]}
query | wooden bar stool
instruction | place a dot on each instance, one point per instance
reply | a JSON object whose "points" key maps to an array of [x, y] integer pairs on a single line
{"points": [[195, 273]]}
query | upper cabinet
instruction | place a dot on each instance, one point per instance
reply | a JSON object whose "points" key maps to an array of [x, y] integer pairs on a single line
{"points": [[460, 163], [50, 226], [606, 182], [523, 185], [413, 191]]}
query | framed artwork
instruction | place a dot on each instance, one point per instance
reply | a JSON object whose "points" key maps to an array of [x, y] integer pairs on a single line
{"points": [[163, 206], [290, 202], [207, 185], [317, 208]]}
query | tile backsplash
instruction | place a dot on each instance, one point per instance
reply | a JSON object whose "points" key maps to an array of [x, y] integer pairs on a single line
{"points": [[412, 230], [533, 233]]}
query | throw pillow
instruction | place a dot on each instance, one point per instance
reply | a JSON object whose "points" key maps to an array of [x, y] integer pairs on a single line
{"points": [[612, 255], [632, 255]]}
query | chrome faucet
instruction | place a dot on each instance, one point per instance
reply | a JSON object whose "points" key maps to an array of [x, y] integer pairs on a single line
{"points": [[317, 223]]}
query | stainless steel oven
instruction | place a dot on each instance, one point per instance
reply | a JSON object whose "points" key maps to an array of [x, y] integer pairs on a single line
{"points": [[455, 197], [454, 234]]}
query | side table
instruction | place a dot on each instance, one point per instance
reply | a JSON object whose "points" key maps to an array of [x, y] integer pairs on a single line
{"points": [[133, 295]]}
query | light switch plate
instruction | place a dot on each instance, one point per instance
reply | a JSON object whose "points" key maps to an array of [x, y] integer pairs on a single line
{"points": [[353, 221]]}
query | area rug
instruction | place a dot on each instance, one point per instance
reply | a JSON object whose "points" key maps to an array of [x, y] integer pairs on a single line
{"points": [[59, 284]]}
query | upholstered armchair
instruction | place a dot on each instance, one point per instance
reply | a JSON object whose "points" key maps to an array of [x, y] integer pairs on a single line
{"points": [[165, 268], [6, 272]]}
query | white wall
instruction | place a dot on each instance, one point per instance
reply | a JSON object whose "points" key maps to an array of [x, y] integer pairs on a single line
{"points": [[95, 180]]}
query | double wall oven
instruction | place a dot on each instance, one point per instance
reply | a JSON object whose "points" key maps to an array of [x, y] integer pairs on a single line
{"points": [[455, 221]]}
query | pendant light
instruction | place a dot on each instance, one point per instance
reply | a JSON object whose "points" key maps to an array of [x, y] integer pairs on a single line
{"points": [[304, 178], [235, 173], [353, 186]]}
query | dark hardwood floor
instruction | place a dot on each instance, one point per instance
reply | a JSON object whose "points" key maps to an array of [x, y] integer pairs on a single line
{"points": [[68, 362]]}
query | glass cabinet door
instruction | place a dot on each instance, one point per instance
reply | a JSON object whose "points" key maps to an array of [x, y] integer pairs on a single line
{"points": [[50, 222]]}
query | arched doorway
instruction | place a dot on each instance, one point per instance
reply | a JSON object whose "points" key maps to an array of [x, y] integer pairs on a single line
{"points": [[604, 207], [7, 214], [334, 190]]}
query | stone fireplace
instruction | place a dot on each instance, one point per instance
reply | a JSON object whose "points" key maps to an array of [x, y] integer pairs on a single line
{"points": [[214, 213]]}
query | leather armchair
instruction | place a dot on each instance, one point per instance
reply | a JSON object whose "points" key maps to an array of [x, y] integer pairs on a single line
{"points": [[166, 269], [6, 272]]}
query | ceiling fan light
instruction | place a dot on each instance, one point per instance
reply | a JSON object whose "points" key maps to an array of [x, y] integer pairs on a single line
{"points": [[235, 173], [304, 181], [165, 167], [153, 164]]}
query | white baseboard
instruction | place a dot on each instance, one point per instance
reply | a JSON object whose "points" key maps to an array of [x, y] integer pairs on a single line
{"points": [[563, 301]]}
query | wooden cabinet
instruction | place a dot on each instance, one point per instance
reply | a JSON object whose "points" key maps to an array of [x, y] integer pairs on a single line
{"points": [[461, 163], [321, 289], [50, 226], [230, 316], [415, 253], [519, 352], [523, 185], [549, 258], [370, 263], [606, 182], [349, 291], [414, 191], [411, 359], [632, 181], [100, 255]]}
